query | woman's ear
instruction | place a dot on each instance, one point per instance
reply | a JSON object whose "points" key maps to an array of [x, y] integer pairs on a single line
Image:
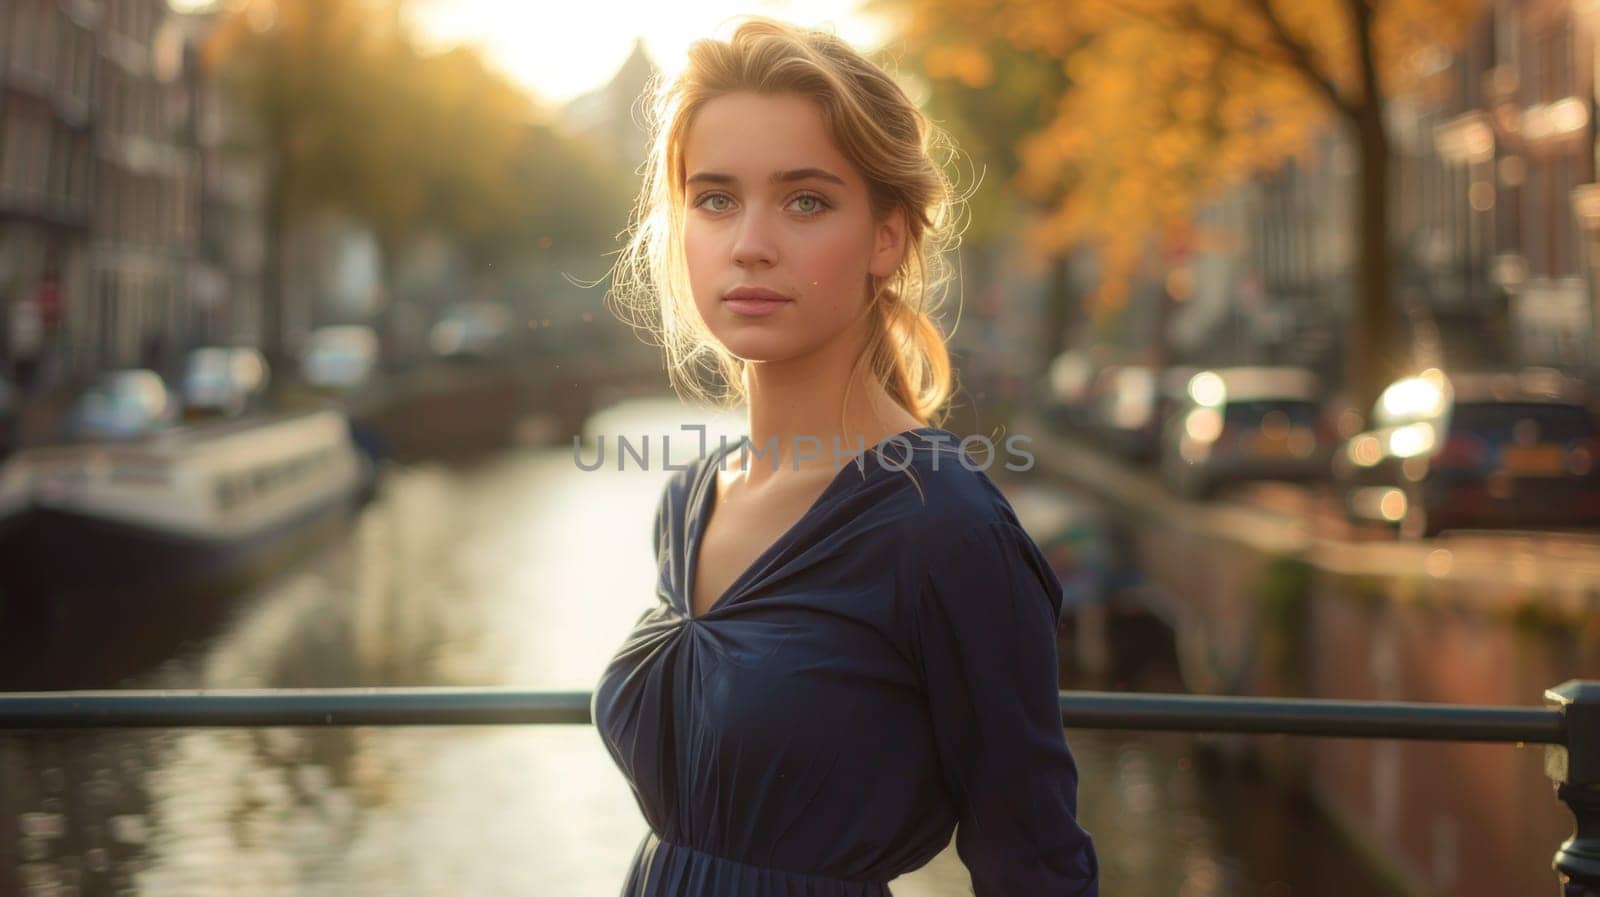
{"points": [[889, 244]]}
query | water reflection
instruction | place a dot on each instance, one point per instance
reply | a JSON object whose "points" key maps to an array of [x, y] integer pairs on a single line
{"points": [[525, 571]]}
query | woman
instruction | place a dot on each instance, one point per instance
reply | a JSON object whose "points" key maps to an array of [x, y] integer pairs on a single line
{"points": [[846, 661]]}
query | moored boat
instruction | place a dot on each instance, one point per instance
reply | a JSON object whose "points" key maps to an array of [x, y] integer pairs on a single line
{"points": [[181, 509]]}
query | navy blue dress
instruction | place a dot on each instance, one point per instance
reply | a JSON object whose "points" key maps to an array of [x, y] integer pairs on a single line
{"points": [[884, 671]]}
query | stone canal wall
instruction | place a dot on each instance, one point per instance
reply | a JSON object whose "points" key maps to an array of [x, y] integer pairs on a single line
{"points": [[1262, 604], [451, 411]]}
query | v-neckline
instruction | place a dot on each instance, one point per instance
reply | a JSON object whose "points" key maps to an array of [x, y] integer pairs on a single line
{"points": [[706, 504]]}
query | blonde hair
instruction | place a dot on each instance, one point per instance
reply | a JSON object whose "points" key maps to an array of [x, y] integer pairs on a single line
{"points": [[874, 125]]}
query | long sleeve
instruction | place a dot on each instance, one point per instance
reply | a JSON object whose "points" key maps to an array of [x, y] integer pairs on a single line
{"points": [[985, 639]]}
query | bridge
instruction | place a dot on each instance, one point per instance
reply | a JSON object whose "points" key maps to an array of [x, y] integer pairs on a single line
{"points": [[1569, 726]]}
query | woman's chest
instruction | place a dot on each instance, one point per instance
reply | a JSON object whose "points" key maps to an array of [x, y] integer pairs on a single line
{"points": [[783, 691], [775, 680], [759, 673], [766, 706], [739, 531], [731, 543]]}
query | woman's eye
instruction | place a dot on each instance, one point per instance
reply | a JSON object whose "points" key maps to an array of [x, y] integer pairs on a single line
{"points": [[715, 202], [808, 204]]}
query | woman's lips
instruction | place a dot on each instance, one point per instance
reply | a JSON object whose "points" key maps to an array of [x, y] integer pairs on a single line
{"points": [[754, 307], [754, 301]]}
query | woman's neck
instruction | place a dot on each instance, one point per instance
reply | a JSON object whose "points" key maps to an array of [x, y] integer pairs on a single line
{"points": [[794, 412]]}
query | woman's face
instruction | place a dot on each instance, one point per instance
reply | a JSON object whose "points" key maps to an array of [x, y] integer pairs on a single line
{"points": [[779, 235]]}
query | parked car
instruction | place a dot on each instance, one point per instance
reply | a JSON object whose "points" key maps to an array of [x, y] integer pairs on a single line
{"points": [[122, 404], [1126, 410], [1067, 386], [1508, 448], [341, 357], [222, 381], [1246, 423]]}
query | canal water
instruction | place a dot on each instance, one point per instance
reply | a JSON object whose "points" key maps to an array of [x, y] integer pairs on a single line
{"points": [[518, 570]]}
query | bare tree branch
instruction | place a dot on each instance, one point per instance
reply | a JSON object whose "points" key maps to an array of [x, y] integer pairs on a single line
{"points": [[1301, 57], [1361, 14], [1286, 48]]}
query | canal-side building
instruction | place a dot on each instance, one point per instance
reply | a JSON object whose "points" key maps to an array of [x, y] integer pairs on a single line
{"points": [[1493, 157], [130, 222], [1270, 273], [47, 106], [143, 231], [610, 117], [1490, 209], [229, 255], [1494, 144]]}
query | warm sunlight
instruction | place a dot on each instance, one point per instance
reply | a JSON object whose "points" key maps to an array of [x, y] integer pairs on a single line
{"points": [[562, 50]]}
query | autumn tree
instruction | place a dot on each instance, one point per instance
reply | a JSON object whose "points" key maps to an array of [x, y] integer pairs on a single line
{"points": [[308, 76], [990, 98], [1169, 102], [458, 136], [351, 116]]}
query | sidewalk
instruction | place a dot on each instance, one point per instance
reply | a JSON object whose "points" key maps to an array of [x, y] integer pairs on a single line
{"points": [[1481, 567]]}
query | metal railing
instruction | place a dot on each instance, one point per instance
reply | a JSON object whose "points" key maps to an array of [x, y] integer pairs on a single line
{"points": [[1569, 725]]}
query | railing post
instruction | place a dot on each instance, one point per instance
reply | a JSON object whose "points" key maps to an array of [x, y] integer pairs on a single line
{"points": [[1575, 769]]}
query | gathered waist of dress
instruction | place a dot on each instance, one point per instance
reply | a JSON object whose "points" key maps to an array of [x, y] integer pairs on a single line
{"points": [[666, 867]]}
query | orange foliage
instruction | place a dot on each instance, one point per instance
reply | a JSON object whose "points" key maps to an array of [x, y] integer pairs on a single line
{"points": [[1170, 102]]}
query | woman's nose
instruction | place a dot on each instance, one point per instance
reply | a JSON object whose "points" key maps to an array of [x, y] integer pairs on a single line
{"points": [[753, 242]]}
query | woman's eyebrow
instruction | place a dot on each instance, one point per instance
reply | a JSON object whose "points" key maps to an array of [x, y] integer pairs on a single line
{"points": [[798, 174], [807, 174]]}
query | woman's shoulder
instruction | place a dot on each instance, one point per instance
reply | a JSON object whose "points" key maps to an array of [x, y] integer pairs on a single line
{"points": [[942, 487], [960, 529]]}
